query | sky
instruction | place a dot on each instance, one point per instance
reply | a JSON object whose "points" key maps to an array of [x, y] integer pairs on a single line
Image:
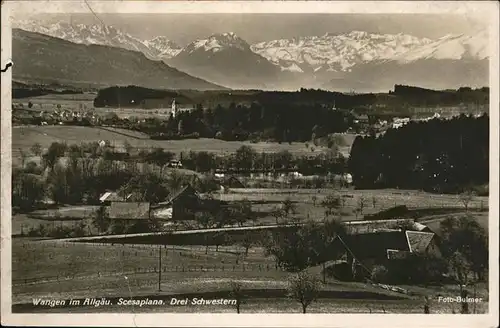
{"points": [[185, 28]]}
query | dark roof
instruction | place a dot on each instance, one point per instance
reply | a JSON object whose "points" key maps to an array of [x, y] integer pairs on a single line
{"points": [[186, 190], [129, 211], [366, 226], [376, 244], [232, 182]]}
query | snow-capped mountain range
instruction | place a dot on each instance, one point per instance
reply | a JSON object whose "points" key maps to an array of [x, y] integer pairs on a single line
{"points": [[310, 61], [159, 47]]}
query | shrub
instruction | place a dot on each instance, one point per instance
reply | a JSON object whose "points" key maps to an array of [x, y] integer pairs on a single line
{"points": [[379, 274]]}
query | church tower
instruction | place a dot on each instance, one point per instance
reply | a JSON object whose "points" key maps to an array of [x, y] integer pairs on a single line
{"points": [[174, 108]]}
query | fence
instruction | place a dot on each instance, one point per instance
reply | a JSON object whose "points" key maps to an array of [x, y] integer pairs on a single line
{"points": [[151, 270]]}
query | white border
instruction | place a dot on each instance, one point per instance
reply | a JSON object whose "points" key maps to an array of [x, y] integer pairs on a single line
{"points": [[488, 10]]}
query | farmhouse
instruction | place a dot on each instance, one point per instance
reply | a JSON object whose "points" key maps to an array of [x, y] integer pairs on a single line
{"points": [[384, 247], [180, 206], [231, 183], [365, 226]]}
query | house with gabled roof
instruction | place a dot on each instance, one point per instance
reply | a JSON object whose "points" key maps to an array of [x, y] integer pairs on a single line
{"points": [[181, 205], [382, 247]]}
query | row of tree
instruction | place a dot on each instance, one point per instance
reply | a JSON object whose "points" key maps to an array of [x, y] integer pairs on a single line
{"points": [[245, 159], [257, 122], [438, 156]]}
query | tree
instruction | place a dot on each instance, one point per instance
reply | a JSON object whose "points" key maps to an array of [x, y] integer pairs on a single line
{"points": [[58, 184], [128, 147], [332, 204], [36, 149], [237, 294], [242, 212], [278, 215], [466, 197], [298, 247], [460, 268], [101, 220], [379, 274], [244, 158], [247, 241], [56, 150], [304, 288], [288, 207], [465, 235], [149, 187], [360, 205], [27, 189], [23, 156]]}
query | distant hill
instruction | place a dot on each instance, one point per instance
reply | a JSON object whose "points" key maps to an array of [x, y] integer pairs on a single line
{"points": [[402, 97], [43, 59], [227, 59]]}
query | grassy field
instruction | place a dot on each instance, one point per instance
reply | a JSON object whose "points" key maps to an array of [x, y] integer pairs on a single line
{"points": [[40, 268], [50, 102], [308, 201], [23, 137], [51, 269], [265, 201]]}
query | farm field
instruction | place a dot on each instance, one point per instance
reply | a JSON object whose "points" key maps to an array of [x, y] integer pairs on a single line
{"points": [[265, 201], [23, 137], [38, 265], [384, 198], [50, 101], [79, 270]]}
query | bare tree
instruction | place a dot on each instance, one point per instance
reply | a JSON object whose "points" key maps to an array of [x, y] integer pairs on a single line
{"points": [[101, 220], [278, 215], [466, 197], [288, 207], [36, 149], [360, 205], [304, 288], [237, 294], [24, 156], [460, 269], [332, 204]]}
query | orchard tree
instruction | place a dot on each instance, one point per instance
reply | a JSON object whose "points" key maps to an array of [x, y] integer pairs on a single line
{"points": [[332, 204], [36, 149], [237, 294], [465, 235], [466, 197], [101, 220], [304, 288]]}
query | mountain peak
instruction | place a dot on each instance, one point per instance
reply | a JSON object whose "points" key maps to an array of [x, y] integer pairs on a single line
{"points": [[218, 42]]}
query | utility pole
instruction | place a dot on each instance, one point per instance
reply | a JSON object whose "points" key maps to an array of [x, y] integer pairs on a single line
{"points": [[159, 269]]}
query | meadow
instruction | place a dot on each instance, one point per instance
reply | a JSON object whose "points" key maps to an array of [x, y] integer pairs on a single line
{"points": [[54, 269], [307, 202], [24, 137]]}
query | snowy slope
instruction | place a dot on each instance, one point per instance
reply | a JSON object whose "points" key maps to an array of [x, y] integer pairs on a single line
{"points": [[336, 52], [102, 35], [455, 47]]}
